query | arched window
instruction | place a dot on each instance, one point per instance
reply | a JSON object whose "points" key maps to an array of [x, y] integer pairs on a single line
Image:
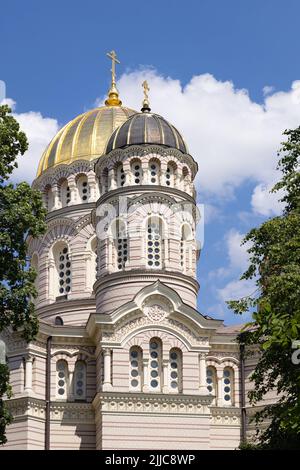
{"points": [[185, 247], [228, 392], [175, 369], [211, 381], [83, 188], [58, 321], [170, 174], [136, 171], [49, 199], [135, 368], [62, 379], [80, 380], [120, 175], [154, 243], [63, 269], [65, 195], [155, 366], [121, 243], [154, 172]]}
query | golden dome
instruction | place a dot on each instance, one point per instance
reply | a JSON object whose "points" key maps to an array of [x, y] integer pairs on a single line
{"points": [[85, 137]]}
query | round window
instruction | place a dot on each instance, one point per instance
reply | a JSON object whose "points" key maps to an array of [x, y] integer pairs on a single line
{"points": [[134, 383], [134, 354]]}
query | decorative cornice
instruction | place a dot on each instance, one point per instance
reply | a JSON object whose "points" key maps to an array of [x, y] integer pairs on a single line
{"points": [[110, 402], [69, 210], [225, 416], [65, 412], [147, 275], [54, 174], [151, 190]]}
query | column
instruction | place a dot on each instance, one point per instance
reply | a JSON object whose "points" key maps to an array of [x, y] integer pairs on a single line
{"points": [[166, 261], [165, 364], [107, 370], [28, 374], [146, 375], [220, 388], [91, 177], [176, 178], [202, 371], [71, 384], [145, 172], [73, 190], [127, 171], [56, 201], [110, 248], [163, 172], [111, 179], [51, 291]]}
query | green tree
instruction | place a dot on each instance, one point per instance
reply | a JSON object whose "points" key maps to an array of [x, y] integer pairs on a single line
{"points": [[21, 215], [275, 265]]}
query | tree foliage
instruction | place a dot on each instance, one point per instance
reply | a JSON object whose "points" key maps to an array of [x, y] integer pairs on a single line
{"points": [[275, 264], [21, 215]]}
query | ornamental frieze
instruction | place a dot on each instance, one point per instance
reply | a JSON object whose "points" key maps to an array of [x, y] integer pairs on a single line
{"points": [[146, 321], [168, 404]]}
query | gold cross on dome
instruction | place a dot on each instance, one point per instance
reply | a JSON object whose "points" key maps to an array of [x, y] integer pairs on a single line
{"points": [[113, 56]]}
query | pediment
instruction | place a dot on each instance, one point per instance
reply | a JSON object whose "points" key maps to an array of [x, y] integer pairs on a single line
{"points": [[156, 306]]}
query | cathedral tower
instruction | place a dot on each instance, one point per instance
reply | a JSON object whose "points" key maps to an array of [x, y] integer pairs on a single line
{"points": [[123, 359]]}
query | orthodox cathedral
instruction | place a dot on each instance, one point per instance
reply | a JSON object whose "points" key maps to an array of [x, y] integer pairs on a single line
{"points": [[123, 359]]}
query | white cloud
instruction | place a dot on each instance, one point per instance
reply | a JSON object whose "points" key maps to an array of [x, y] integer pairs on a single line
{"points": [[237, 263], [236, 254], [267, 90], [265, 203], [232, 138], [236, 289], [39, 131]]}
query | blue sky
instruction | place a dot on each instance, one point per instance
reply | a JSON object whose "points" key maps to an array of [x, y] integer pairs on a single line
{"points": [[213, 59]]}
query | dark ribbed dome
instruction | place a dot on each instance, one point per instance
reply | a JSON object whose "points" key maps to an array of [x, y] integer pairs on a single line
{"points": [[146, 128]]}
